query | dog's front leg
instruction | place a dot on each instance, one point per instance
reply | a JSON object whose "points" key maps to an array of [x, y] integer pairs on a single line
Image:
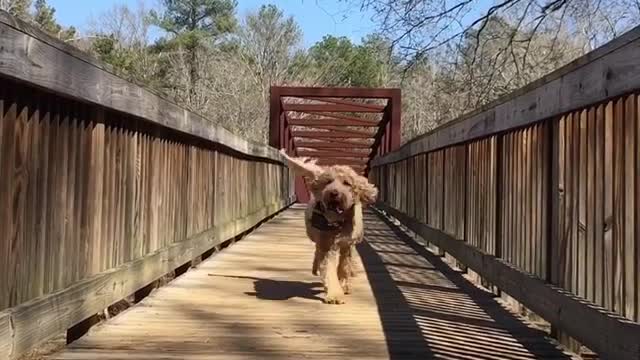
{"points": [[345, 269], [329, 272], [317, 257]]}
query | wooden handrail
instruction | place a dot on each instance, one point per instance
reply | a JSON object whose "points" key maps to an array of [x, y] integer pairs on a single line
{"points": [[538, 194], [31, 56], [595, 77]]}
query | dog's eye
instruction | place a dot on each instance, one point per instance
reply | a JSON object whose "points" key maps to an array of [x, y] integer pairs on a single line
{"points": [[346, 183]]}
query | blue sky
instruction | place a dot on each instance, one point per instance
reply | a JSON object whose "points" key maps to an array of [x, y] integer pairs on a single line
{"points": [[316, 17]]}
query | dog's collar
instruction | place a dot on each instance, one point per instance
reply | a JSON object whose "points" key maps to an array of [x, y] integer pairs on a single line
{"points": [[320, 222]]}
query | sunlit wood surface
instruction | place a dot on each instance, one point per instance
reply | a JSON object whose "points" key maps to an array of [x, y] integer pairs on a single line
{"points": [[258, 300]]}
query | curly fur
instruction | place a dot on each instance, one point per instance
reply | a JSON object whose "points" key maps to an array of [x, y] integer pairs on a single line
{"points": [[335, 247]]}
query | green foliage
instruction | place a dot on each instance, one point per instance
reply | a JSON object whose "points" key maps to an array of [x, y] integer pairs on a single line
{"points": [[18, 8], [190, 23], [343, 63], [107, 49], [44, 17]]}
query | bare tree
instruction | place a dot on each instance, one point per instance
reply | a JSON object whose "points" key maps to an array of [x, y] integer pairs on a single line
{"points": [[129, 26], [461, 54], [268, 42], [121, 37], [421, 27]]}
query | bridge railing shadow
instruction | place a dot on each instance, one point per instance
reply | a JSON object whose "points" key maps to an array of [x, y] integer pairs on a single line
{"points": [[429, 309]]}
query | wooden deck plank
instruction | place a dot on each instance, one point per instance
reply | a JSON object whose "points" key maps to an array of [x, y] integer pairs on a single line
{"points": [[258, 300]]}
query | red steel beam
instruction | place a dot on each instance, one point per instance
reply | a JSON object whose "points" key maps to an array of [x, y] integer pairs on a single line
{"points": [[396, 114], [355, 166], [326, 108], [274, 118], [343, 92], [334, 154], [347, 102], [344, 117], [329, 122], [345, 141], [328, 134], [342, 161], [339, 129], [330, 145]]}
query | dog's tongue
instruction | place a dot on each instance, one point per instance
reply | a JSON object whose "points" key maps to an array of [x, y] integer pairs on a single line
{"points": [[335, 207]]}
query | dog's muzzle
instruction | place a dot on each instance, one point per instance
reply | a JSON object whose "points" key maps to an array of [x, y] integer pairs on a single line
{"points": [[320, 221], [334, 202]]}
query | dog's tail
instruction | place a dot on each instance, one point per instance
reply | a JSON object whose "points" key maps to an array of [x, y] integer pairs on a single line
{"points": [[302, 166]]}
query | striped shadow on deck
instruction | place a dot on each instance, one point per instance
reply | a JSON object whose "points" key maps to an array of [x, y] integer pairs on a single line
{"points": [[258, 300]]}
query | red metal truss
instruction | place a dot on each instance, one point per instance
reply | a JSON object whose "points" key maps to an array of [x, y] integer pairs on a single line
{"points": [[330, 145], [331, 124], [334, 154], [329, 134], [369, 106], [327, 108], [360, 120]]}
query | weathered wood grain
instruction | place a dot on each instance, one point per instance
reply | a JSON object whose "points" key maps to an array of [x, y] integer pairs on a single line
{"points": [[637, 209], [629, 201], [80, 77], [6, 331], [608, 215], [618, 249], [38, 320], [87, 190], [616, 338], [3, 260], [7, 192], [590, 160]]}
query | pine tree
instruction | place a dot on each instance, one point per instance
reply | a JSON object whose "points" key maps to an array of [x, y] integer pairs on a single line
{"points": [[44, 17], [194, 23]]}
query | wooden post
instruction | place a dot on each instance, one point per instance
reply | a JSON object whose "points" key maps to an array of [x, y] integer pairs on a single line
{"points": [[555, 198], [497, 241], [498, 188]]}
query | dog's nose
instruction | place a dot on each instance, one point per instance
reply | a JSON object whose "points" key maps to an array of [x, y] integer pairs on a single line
{"points": [[333, 194]]}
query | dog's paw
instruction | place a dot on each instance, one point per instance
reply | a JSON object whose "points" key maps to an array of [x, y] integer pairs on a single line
{"points": [[334, 300], [347, 289]]}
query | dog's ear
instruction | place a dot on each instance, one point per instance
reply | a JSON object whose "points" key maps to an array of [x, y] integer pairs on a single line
{"points": [[303, 166], [366, 191]]}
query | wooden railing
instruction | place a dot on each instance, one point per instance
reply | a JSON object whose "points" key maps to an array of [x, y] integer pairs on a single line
{"points": [[539, 193], [106, 187]]}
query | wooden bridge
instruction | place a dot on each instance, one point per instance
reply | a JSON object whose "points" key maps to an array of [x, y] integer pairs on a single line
{"points": [[511, 233]]}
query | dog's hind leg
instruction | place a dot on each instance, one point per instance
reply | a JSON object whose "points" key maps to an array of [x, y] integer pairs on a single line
{"points": [[329, 272]]}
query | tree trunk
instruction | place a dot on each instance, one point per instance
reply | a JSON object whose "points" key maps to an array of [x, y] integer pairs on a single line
{"points": [[193, 74]]}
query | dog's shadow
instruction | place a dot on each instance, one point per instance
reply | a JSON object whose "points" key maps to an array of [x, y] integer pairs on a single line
{"points": [[281, 290]]}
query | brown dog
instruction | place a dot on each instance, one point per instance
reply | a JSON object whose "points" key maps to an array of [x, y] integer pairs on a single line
{"points": [[333, 220]]}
